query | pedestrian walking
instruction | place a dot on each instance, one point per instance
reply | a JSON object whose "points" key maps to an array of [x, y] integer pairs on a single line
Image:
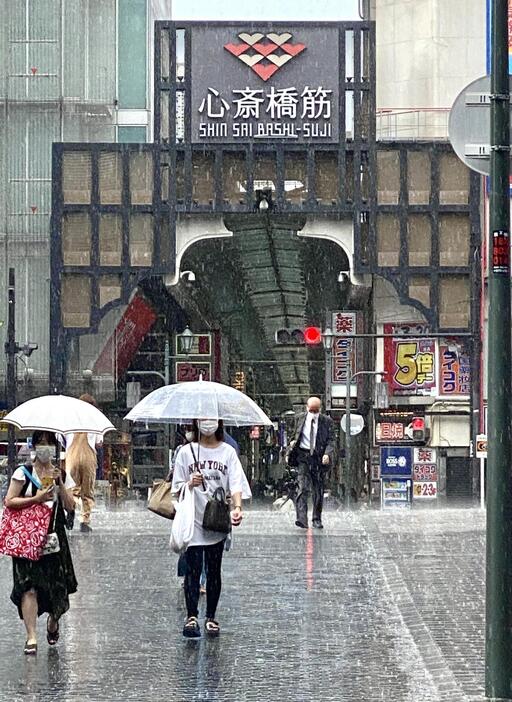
{"points": [[82, 463], [44, 585], [311, 453], [204, 465]]}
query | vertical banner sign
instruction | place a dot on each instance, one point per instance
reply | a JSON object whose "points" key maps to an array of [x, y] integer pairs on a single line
{"points": [[500, 253], [343, 349], [454, 371], [410, 363], [424, 473]]}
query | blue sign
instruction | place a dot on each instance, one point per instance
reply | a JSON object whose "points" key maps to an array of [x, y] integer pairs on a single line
{"points": [[396, 460]]}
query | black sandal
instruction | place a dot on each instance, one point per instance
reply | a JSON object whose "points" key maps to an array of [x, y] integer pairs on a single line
{"points": [[30, 649], [212, 627], [52, 636], [191, 629]]}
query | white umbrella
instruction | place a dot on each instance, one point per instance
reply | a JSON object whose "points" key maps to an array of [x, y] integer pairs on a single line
{"points": [[201, 399], [60, 414]]}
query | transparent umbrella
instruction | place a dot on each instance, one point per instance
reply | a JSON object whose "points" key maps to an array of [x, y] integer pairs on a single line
{"points": [[60, 414], [202, 399]]}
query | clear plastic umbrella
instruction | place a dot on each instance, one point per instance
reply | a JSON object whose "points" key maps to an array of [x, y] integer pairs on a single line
{"points": [[60, 414], [202, 399]]}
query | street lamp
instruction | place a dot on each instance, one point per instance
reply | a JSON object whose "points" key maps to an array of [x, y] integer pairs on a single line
{"points": [[187, 339], [348, 437], [327, 337]]}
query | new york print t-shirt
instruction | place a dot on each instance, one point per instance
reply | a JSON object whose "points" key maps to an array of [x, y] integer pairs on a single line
{"points": [[220, 467]]}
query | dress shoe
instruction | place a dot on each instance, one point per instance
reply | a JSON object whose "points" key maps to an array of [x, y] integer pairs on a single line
{"points": [[301, 524], [317, 524], [85, 528]]}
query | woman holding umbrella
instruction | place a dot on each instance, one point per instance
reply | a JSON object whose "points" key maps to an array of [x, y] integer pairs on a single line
{"points": [[43, 586], [204, 465]]}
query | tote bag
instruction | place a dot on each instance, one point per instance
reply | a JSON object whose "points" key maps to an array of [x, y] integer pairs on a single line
{"points": [[160, 501], [183, 524], [23, 532]]}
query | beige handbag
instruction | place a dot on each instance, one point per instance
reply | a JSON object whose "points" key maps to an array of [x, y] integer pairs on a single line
{"points": [[160, 501]]}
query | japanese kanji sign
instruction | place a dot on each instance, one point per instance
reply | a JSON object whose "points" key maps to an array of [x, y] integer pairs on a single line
{"points": [[391, 426], [273, 85], [410, 361], [454, 370], [343, 348]]}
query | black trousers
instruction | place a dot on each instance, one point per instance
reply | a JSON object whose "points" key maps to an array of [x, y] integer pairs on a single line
{"points": [[213, 562], [311, 478]]}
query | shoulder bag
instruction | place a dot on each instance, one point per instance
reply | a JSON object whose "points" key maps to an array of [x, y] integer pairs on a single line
{"points": [[160, 501], [217, 515]]}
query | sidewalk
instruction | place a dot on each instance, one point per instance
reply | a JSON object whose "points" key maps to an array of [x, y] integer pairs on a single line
{"points": [[377, 607]]}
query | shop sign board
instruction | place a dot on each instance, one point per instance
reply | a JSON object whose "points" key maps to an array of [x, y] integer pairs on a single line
{"points": [[343, 325], [189, 370], [481, 446], [396, 461], [409, 361], [201, 345], [265, 83], [392, 426], [454, 371], [424, 490]]}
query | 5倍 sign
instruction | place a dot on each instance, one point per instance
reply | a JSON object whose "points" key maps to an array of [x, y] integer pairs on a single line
{"points": [[410, 363]]}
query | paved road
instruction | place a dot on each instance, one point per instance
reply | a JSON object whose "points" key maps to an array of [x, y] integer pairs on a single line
{"points": [[377, 607]]}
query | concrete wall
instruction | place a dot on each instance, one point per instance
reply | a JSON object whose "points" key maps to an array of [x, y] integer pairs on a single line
{"points": [[428, 50]]}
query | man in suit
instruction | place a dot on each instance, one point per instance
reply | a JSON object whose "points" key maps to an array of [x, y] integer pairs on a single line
{"points": [[312, 453]]}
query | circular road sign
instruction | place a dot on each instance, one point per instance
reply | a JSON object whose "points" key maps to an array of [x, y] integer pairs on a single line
{"points": [[356, 423], [469, 125]]}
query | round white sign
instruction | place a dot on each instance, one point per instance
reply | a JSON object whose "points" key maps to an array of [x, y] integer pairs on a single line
{"points": [[356, 423]]}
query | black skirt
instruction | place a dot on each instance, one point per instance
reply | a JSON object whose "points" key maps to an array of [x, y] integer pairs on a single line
{"points": [[52, 577]]}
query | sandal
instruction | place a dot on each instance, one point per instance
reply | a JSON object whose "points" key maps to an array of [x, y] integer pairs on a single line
{"points": [[30, 649], [52, 636], [191, 629], [212, 627]]}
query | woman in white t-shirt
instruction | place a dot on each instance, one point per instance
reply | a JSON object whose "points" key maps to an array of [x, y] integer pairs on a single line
{"points": [[44, 585], [217, 466]]}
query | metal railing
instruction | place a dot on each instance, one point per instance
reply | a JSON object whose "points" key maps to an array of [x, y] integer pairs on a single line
{"points": [[412, 123]]}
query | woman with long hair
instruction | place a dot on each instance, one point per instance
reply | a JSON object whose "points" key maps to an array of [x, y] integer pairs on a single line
{"points": [[43, 586], [203, 465]]}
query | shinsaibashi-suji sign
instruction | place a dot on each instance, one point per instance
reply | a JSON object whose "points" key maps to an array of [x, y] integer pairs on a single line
{"points": [[265, 85]]}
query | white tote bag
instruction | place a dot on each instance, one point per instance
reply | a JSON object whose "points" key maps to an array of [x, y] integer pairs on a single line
{"points": [[183, 524]]}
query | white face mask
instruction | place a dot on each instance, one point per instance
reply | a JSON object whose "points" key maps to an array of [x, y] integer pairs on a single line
{"points": [[43, 453], [189, 435], [208, 427]]}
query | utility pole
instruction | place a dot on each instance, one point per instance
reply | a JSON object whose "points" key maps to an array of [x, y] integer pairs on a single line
{"points": [[498, 663], [11, 349]]}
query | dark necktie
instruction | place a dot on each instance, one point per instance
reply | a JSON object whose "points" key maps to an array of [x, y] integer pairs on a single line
{"points": [[312, 437]]}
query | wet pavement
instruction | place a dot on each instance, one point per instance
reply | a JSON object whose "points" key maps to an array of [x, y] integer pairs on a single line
{"points": [[376, 607]]}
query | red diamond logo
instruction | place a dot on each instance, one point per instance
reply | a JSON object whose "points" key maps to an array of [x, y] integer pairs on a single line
{"points": [[265, 53]]}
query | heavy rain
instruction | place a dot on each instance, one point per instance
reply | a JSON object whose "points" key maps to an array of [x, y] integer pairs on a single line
{"points": [[249, 329]]}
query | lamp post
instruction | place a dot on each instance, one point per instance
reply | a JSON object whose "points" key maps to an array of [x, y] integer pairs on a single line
{"points": [[348, 437]]}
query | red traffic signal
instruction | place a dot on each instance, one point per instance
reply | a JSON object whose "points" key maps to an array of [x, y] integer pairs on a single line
{"points": [[418, 428], [313, 335]]}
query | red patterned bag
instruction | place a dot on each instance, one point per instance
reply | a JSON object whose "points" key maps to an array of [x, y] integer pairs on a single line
{"points": [[23, 531]]}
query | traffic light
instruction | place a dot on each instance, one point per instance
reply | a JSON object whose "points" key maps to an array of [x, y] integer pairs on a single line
{"points": [[289, 337], [418, 429], [309, 336], [313, 336]]}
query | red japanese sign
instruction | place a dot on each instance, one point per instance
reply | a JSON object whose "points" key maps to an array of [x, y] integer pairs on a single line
{"points": [[394, 426], [122, 345], [500, 252], [454, 370], [186, 371], [409, 360], [424, 471]]}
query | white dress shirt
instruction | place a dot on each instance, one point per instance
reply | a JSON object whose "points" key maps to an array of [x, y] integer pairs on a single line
{"points": [[306, 431]]}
